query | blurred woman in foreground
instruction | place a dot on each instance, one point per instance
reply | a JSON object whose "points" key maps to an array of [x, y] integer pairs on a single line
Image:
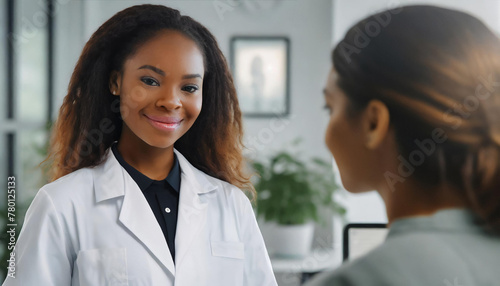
{"points": [[414, 98]]}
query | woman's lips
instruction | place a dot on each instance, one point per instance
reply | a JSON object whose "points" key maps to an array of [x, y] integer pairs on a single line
{"points": [[164, 123]]}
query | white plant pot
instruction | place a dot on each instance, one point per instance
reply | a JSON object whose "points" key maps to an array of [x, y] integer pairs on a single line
{"points": [[291, 241]]}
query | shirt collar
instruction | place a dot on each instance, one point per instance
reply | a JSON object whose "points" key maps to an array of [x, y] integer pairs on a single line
{"points": [[173, 178], [446, 220]]}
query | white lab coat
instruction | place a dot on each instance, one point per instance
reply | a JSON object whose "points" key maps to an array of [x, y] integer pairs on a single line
{"points": [[94, 227]]}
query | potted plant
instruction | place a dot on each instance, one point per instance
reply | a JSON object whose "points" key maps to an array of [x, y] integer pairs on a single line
{"points": [[290, 193]]}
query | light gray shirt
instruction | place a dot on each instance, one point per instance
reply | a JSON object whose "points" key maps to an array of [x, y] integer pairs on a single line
{"points": [[446, 249]]}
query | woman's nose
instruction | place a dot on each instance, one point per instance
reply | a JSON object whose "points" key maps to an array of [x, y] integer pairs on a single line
{"points": [[169, 99]]}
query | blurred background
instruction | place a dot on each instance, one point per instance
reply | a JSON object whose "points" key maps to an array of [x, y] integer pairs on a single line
{"points": [[44, 38]]}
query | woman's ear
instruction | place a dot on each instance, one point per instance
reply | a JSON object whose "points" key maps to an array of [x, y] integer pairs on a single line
{"points": [[114, 80], [376, 123]]}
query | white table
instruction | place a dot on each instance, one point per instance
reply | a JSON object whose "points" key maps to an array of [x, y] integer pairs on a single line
{"points": [[317, 261]]}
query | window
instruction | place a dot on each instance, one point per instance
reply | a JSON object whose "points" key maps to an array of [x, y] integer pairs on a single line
{"points": [[26, 84]]}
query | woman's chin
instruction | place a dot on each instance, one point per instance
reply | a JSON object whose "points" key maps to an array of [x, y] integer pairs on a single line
{"points": [[353, 187], [160, 144]]}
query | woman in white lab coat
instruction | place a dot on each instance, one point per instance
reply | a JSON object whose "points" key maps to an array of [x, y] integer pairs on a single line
{"points": [[150, 99], [414, 101]]}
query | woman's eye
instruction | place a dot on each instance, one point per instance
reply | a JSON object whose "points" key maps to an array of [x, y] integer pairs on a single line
{"points": [[327, 107], [190, 88], [150, 81]]}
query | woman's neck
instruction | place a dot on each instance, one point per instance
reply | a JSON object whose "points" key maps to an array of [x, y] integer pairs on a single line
{"points": [[153, 162], [411, 200]]}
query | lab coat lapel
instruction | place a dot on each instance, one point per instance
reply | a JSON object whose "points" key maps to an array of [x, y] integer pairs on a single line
{"points": [[137, 216], [111, 180], [192, 209]]}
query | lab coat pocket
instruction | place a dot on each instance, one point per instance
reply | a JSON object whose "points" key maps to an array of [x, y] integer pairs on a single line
{"points": [[227, 263], [103, 266], [230, 249]]}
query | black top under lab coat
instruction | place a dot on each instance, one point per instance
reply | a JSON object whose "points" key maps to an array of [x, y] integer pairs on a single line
{"points": [[162, 196]]}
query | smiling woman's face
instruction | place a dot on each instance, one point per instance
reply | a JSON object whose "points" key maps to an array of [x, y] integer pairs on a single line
{"points": [[160, 89]]}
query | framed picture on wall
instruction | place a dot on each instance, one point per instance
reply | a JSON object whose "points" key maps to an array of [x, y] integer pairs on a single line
{"points": [[260, 68]]}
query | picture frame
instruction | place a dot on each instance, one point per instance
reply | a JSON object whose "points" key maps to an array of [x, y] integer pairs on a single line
{"points": [[261, 72]]}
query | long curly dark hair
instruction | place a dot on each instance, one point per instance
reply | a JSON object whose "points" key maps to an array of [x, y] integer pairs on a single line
{"points": [[435, 69], [89, 119]]}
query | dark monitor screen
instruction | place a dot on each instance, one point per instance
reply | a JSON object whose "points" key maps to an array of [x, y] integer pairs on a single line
{"points": [[360, 238]]}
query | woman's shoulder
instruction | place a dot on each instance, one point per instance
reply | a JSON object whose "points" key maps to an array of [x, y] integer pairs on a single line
{"points": [[221, 187], [414, 258], [397, 262], [226, 189], [70, 187]]}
